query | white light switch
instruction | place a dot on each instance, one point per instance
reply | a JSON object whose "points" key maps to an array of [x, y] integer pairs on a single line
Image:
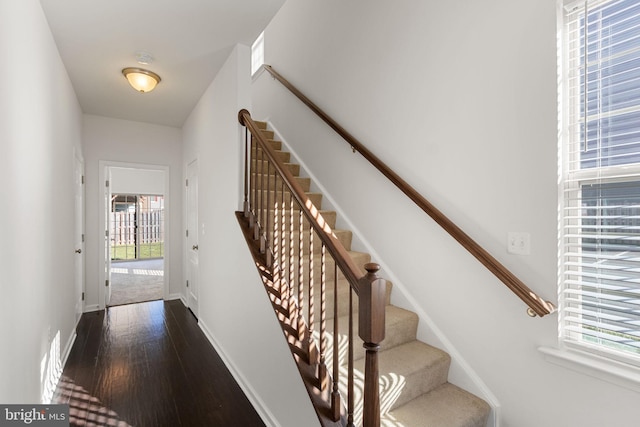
{"points": [[518, 243]]}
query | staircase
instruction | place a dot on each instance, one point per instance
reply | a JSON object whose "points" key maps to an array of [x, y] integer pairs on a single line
{"points": [[414, 387]]}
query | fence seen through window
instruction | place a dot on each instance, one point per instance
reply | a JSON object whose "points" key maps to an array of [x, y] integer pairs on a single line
{"points": [[136, 226]]}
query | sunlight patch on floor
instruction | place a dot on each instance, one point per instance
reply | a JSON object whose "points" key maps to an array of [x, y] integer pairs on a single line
{"points": [[137, 271]]}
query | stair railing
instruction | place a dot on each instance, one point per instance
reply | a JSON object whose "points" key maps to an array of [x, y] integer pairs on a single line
{"points": [[281, 221], [536, 305]]}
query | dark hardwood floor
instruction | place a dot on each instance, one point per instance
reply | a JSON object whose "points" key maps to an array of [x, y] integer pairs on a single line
{"points": [[149, 365]]}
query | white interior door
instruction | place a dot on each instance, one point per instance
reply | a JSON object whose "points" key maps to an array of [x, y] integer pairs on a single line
{"points": [[107, 236], [192, 237], [79, 237]]}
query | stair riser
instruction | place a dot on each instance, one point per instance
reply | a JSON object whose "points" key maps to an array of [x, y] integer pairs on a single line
{"points": [[401, 331], [342, 235], [270, 182], [343, 302], [421, 380], [268, 134], [275, 198], [328, 216], [360, 259], [260, 124], [260, 167], [276, 145], [284, 156], [343, 306]]}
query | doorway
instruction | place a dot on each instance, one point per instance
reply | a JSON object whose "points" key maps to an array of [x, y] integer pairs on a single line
{"points": [[135, 226], [137, 248]]}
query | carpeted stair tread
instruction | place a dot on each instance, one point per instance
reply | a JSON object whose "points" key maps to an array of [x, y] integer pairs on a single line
{"points": [[401, 327], [285, 156], [260, 166], [268, 198], [343, 236], [268, 134], [445, 406], [328, 216], [270, 182], [409, 370]]}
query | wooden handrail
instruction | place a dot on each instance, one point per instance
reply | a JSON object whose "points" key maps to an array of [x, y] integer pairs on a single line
{"points": [[537, 305]]}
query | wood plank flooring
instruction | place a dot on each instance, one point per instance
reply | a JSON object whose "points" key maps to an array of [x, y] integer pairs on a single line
{"points": [[149, 365]]}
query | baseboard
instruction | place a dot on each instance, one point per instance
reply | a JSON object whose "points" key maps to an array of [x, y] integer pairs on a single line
{"points": [[172, 297], [264, 413], [64, 356], [91, 307], [67, 348]]}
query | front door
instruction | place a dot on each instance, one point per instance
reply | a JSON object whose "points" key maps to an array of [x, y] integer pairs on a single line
{"points": [[192, 237]]}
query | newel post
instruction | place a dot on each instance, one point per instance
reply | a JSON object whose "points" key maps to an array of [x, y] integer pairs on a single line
{"points": [[247, 154], [371, 296]]}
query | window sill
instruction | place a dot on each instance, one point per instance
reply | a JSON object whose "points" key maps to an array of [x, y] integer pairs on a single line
{"points": [[595, 366], [257, 73]]}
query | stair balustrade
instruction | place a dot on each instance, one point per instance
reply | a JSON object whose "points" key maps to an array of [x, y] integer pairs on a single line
{"points": [[302, 264], [537, 306]]}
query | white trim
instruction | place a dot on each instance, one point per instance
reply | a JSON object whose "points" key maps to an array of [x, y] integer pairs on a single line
{"points": [[186, 272], [255, 76], [68, 347], [602, 368], [175, 296], [77, 155], [88, 308], [258, 404], [103, 165], [64, 356], [257, 53], [573, 352], [460, 372]]}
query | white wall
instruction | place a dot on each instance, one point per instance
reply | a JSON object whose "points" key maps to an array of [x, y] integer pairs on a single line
{"points": [[118, 141], [40, 129], [460, 99], [234, 309]]}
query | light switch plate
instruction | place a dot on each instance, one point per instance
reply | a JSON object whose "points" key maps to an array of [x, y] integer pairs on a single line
{"points": [[519, 243]]}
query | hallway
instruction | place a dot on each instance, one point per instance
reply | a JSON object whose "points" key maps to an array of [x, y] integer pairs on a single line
{"points": [[149, 364]]}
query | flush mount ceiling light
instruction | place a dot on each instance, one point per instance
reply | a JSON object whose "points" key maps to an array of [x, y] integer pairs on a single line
{"points": [[140, 79]]}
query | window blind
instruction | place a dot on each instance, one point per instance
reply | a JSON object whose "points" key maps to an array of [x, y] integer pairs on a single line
{"points": [[600, 208]]}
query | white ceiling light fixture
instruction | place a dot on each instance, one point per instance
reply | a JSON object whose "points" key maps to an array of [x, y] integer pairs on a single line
{"points": [[140, 79]]}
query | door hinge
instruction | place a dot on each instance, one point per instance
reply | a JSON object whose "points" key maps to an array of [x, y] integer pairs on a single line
{"points": [[106, 183], [83, 238], [82, 180], [187, 233], [187, 283], [83, 296], [106, 233], [186, 182], [106, 283]]}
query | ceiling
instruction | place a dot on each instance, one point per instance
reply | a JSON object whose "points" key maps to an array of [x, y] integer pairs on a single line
{"points": [[188, 39]]}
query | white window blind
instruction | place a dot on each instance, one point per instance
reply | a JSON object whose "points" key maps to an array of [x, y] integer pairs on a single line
{"points": [[600, 172]]}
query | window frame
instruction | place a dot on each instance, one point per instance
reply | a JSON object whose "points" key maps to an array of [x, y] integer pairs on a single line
{"points": [[571, 182], [257, 54]]}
